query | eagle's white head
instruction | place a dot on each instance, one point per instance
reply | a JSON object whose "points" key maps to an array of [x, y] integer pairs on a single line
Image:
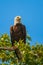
{"points": [[17, 19]]}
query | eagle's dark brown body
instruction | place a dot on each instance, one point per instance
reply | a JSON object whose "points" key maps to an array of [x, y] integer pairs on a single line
{"points": [[18, 32]]}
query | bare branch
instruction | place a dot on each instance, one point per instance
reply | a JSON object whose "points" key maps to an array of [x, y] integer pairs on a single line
{"points": [[8, 48]]}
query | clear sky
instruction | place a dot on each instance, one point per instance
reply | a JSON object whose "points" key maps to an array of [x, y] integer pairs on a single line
{"points": [[31, 12]]}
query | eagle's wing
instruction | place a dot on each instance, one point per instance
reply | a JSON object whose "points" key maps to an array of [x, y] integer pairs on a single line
{"points": [[12, 35], [24, 33]]}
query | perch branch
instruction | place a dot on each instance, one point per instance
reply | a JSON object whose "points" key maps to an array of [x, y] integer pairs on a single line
{"points": [[8, 48]]}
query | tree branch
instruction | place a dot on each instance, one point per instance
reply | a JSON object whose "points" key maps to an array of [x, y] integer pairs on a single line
{"points": [[17, 51], [8, 48]]}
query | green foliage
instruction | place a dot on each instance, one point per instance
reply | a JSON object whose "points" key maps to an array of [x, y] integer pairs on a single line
{"points": [[32, 55]]}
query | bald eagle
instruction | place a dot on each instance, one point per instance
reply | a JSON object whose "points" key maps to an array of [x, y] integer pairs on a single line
{"points": [[17, 31]]}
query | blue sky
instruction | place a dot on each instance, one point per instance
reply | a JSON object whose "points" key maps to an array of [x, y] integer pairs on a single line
{"points": [[31, 12]]}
